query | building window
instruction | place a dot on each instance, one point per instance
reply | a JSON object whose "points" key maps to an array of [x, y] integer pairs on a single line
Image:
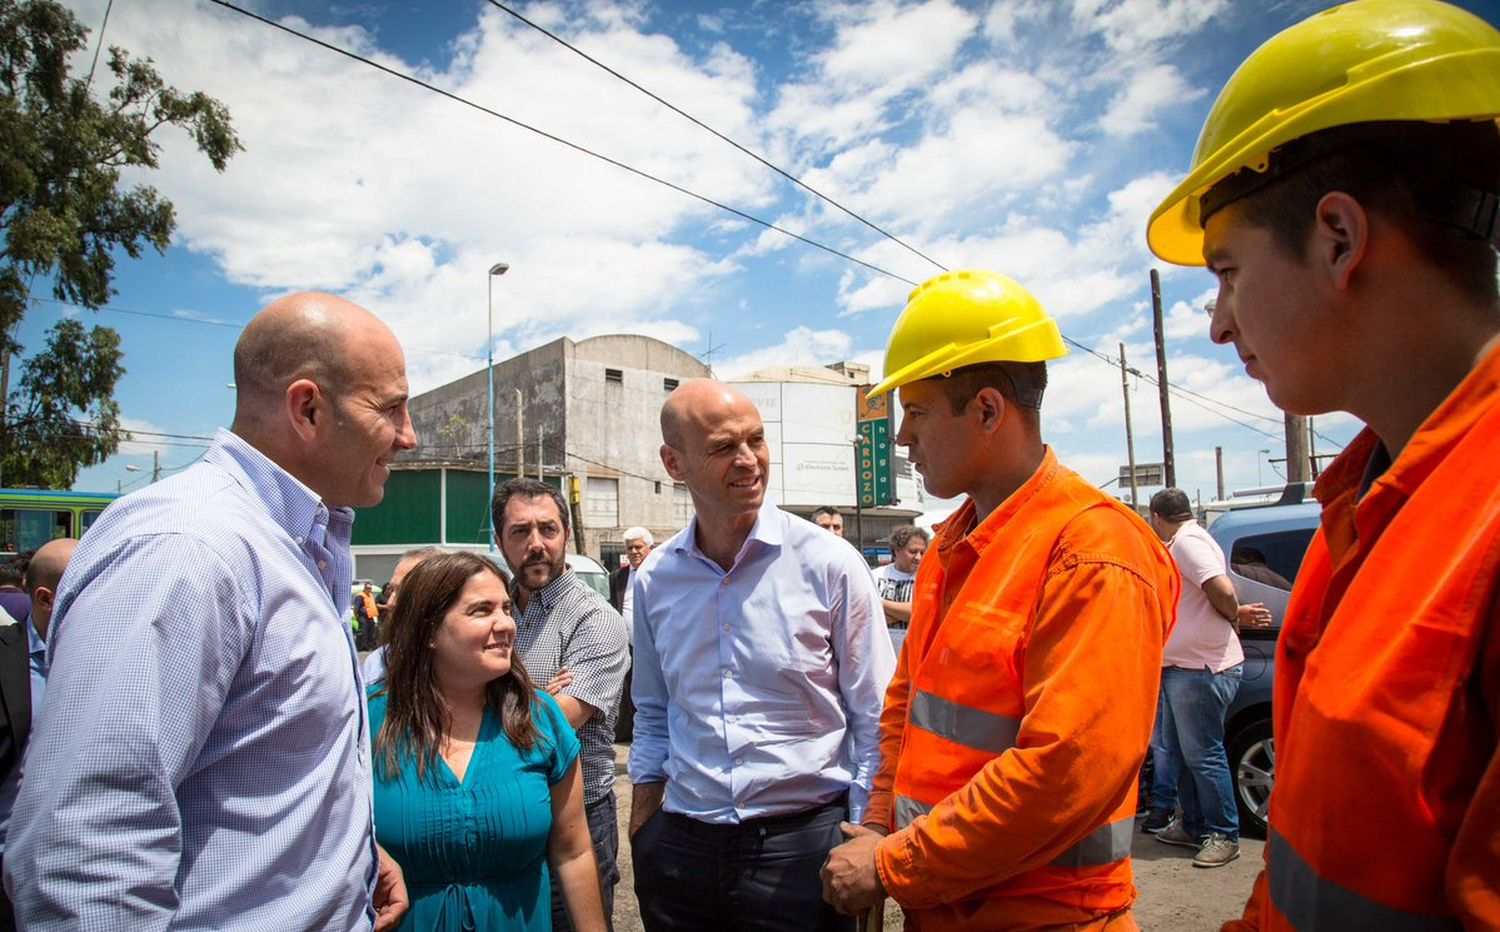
{"points": [[614, 375], [602, 503], [682, 504], [668, 385]]}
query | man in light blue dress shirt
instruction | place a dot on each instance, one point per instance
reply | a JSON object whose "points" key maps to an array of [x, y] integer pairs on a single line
{"points": [[761, 662], [203, 761]]}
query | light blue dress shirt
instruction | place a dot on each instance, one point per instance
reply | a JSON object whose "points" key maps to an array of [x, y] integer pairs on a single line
{"points": [[203, 758], [758, 690]]}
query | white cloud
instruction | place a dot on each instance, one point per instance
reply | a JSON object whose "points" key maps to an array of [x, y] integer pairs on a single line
{"points": [[1136, 26], [872, 61], [1142, 96], [149, 439], [401, 199], [976, 164], [802, 346], [1004, 16], [1186, 319], [874, 47]]}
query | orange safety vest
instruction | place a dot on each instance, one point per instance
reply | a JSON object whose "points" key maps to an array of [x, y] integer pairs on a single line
{"points": [[1386, 812], [1021, 711], [372, 608]]}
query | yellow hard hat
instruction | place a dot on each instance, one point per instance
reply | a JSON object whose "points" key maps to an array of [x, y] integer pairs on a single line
{"points": [[964, 318], [1363, 62]]}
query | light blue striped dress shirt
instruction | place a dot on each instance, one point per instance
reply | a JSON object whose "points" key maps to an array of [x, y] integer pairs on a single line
{"points": [[758, 690], [203, 758]]}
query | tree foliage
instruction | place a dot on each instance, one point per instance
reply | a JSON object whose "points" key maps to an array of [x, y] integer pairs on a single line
{"points": [[74, 375], [65, 216]]}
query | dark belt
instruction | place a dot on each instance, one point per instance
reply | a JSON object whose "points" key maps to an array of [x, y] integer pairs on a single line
{"points": [[760, 826]]}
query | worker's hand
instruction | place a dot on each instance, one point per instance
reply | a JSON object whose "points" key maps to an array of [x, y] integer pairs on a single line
{"points": [[390, 902], [851, 884], [1255, 615], [560, 682]]}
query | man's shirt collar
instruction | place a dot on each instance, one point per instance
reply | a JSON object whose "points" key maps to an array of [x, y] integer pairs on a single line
{"points": [[293, 506]]}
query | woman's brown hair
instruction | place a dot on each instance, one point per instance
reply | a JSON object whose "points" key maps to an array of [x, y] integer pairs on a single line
{"points": [[416, 716]]}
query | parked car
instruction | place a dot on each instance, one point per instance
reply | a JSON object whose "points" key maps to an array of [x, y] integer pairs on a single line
{"points": [[1264, 548], [589, 570]]}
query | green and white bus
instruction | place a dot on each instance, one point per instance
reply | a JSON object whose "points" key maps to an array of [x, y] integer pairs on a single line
{"points": [[31, 517]]}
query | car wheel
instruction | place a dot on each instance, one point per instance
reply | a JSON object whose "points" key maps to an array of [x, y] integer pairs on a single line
{"points": [[1252, 760]]}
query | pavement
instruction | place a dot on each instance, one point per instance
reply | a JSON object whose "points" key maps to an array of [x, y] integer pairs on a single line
{"points": [[1175, 896]]}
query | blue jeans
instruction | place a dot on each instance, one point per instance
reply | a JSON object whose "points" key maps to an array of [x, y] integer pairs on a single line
{"points": [[1189, 741]]}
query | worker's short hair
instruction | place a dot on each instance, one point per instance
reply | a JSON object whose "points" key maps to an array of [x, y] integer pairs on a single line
{"points": [[1172, 505], [902, 535], [641, 534], [1020, 383], [1429, 179]]}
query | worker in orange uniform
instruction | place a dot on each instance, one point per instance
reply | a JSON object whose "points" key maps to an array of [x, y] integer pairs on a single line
{"points": [[1344, 191], [1023, 700]]}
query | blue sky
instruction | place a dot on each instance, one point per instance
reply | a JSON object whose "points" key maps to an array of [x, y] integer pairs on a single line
{"points": [[1028, 137]]}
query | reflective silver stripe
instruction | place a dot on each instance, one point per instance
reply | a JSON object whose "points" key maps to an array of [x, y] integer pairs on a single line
{"points": [[907, 810], [1104, 845], [974, 728], [1313, 904]]}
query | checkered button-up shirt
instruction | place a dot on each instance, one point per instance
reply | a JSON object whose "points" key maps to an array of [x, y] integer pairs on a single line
{"points": [[568, 624]]}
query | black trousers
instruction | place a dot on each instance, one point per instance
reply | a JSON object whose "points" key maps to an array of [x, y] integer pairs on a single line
{"points": [[758, 876]]}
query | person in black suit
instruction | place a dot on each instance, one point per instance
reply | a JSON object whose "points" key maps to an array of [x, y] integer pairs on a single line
{"points": [[23, 681], [638, 543]]}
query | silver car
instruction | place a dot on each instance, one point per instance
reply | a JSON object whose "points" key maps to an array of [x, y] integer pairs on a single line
{"points": [[1264, 548]]}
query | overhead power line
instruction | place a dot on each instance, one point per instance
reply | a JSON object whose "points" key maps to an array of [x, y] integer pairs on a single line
{"points": [[699, 123], [1186, 394], [640, 173]]}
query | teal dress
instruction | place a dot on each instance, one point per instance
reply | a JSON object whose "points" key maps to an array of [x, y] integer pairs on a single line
{"points": [[474, 854]]}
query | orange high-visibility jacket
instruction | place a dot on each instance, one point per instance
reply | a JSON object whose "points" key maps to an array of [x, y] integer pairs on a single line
{"points": [[1021, 710], [1386, 812]]}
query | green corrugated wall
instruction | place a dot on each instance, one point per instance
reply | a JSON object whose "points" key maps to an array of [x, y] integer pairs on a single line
{"points": [[407, 515]]}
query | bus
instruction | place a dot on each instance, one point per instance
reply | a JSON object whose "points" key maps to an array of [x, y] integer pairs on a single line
{"points": [[31, 517]]}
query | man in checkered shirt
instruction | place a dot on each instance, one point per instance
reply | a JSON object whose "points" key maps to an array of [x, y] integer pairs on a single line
{"points": [[573, 642]]}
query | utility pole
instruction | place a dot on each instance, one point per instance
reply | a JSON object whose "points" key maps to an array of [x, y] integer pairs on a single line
{"points": [[155, 465], [1296, 448], [1129, 430], [1312, 448], [520, 440], [1219, 470], [1169, 463]]}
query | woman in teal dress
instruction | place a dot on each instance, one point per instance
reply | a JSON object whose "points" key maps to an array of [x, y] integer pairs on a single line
{"points": [[477, 790]]}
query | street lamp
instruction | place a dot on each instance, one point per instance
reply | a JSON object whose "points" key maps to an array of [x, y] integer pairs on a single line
{"points": [[496, 270]]}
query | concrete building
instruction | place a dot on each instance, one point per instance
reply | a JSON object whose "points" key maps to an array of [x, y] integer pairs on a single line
{"points": [[588, 409]]}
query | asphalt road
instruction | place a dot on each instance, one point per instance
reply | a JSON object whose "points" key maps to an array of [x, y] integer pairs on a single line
{"points": [[1175, 896]]}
